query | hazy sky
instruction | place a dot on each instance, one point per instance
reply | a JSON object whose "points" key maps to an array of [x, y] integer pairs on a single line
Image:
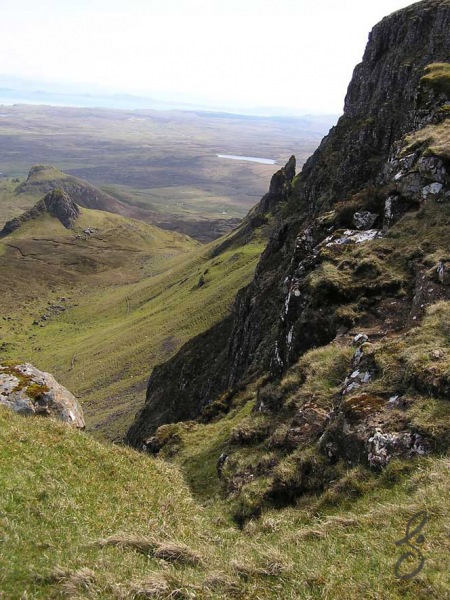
{"points": [[292, 53]]}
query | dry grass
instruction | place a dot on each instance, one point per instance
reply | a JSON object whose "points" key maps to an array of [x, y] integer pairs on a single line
{"points": [[141, 544], [70, 582], [168, 551], [270, 563], [178, 553], [437, 76], [435, 138], [222, 582], [155, 586]]}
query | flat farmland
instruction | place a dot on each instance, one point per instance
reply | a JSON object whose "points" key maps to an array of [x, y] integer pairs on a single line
{"points": [[164, 165]]}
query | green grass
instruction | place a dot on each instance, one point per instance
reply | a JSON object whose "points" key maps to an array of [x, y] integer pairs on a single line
{"points": [[87, 520], [437, 77], [132, 299], [62, 492], [196, 447]]}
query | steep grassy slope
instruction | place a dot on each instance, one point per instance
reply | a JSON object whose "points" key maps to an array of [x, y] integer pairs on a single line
{"points": [[83, 520], [101, 246], [46, 270], [133, 294]]}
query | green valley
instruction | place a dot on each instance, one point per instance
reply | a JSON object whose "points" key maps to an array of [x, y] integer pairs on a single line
{"points": [[132, 295], [247, 399]]}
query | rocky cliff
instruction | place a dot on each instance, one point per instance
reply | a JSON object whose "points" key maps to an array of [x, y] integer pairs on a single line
{"points": [[361, 249]]}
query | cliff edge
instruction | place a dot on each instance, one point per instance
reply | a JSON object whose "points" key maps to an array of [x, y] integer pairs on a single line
{"points": [[358, 266]]}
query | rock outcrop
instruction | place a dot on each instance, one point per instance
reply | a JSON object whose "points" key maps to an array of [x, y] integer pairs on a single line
{"points": [[56, 203], [331, 263], [28, 391], [279, 189]]}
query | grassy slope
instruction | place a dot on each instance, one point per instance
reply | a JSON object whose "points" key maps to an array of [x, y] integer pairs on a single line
{"points": [[12, 205], [132, 299], [62, 492]]}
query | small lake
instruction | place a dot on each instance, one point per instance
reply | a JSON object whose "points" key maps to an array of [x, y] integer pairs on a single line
{"points": [[263, 161]]}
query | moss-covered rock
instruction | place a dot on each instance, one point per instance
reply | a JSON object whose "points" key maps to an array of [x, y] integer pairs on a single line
{"points": [[28, 391]]}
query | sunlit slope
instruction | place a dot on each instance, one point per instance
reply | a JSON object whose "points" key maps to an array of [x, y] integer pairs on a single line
{"points": [[133, 294], [62, 492], [102, 249], [79, 519]]}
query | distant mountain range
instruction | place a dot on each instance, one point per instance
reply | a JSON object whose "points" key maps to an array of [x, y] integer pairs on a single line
{"points": [[15, 90]]}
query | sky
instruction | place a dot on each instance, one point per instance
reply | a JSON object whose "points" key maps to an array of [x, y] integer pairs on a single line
{"points": [[297, 54]]}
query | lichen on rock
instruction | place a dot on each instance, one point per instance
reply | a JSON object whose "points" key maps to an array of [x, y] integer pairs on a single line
{"points": [[29, 391]]}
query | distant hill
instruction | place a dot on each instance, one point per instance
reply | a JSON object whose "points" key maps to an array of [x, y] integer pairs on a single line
{"points": [[45, 178]]}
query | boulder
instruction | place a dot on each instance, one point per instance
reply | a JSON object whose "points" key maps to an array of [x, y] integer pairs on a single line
{"points": [[28, 391]]}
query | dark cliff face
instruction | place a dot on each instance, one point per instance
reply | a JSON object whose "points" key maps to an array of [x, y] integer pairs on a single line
{"points": [[381, 103], [298, 300]]}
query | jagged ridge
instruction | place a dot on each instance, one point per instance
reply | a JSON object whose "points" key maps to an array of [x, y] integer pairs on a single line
{"points": [[56, 203], [45, 178], [283, 312]]}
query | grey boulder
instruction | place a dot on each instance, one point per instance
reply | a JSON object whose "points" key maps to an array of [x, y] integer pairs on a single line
{"points": [[28, 391]]}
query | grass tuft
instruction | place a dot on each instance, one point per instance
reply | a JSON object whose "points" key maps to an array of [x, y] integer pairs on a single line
{"points": [[437, 77], [222, 583], [270, 565], [70, 582], [141, 544], [155, 586], [168, 551]]}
